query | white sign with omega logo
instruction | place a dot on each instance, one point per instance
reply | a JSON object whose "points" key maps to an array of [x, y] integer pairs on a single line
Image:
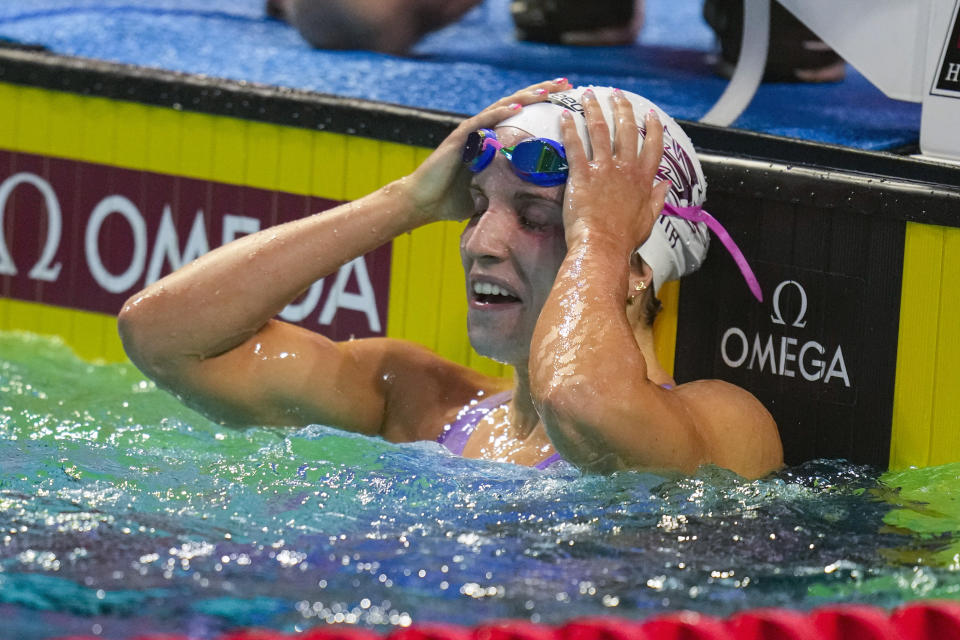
{"points": [[785, 353]]}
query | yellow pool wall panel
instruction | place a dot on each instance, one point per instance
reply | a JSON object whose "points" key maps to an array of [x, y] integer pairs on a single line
{"points": [[926, 410], [665, 326], [92, 336]]}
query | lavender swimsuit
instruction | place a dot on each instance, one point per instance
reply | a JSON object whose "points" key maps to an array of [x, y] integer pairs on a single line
{"points": [[456, 434]]}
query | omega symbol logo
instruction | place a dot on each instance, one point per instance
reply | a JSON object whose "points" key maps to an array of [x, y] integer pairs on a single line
{"points": [[777, 316], [788, 356]]}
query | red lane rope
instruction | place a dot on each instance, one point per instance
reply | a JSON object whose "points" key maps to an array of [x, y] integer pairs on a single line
{"points": [[928, 620]]}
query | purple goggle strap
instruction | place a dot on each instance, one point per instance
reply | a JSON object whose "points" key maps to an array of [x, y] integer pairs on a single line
{"points": [[697, 214]]}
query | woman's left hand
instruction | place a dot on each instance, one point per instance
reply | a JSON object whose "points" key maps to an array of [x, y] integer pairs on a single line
{"points": [[613, 194]]}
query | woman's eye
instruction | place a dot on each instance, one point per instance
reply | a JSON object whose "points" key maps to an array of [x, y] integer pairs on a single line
{"points": [[479, 207], [529, 223], [535, 218]]}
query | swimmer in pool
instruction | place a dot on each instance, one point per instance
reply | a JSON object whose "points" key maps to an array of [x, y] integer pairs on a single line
{"points": [[559, 189]]}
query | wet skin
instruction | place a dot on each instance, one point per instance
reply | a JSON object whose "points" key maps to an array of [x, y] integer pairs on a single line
{"points": [[515, 241], [238, 364]]}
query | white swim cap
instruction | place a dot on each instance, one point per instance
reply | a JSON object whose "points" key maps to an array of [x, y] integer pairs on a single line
{"points": [[675, 247]]}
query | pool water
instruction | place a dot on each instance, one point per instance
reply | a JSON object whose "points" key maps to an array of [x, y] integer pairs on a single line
{"points": [[122, 512]]}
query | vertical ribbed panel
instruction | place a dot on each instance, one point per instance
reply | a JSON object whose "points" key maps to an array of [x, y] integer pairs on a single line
{"points": [[945, 433], [917, 346], [665, 326], [295, 162], [98, 127], [131, 123], [396, 161], [452, 313], [33, 112], [163, 140], [66, 134], [362, 167], [329, 171], [26, 317], [926, 425], [425, 272], [9, 108], [196, 152], [400, 264], [262, 161]]}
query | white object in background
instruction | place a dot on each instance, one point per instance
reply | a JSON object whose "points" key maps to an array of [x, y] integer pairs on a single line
{"points": [[754, 46], [905, 48], [940, 121], [885, 40], [909, 49]]}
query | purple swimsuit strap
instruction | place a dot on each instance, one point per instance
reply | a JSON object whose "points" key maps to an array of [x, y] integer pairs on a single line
{"points": [[456, 434], [543, 464]]}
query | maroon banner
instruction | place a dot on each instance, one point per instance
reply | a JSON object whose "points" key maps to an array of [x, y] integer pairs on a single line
{"points": [[87, 236]]}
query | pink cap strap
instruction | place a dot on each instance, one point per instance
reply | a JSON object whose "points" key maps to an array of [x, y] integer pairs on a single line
{"points": [[697, 214]]}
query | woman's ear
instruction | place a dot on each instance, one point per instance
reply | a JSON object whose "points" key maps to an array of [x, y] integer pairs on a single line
{"points": [[641, 277]]}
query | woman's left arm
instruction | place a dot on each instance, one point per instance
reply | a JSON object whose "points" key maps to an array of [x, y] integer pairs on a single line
{"points": [[588, 376]]}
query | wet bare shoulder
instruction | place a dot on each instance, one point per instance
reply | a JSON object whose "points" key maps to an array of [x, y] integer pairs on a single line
{"points": [[739, 432], [422, 389]]}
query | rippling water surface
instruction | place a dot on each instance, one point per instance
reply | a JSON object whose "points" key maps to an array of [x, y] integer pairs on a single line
{"points": [[123, 512]]}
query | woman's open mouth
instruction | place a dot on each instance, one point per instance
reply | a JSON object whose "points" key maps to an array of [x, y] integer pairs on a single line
{"points": [[490, 293]]}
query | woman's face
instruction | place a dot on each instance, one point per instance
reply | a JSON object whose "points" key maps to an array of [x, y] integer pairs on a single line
{"points": [[511, 251]]}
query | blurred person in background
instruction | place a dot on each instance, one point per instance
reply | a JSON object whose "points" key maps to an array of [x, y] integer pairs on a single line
{"points": [[394, 26], [796, 53]]}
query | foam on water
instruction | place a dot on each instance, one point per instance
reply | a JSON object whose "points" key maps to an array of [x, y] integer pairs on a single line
{"points": [[123, 512]]}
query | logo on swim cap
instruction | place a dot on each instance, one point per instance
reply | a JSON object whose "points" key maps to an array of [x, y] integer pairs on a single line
{"points": [[566, 100], [677, 165]]}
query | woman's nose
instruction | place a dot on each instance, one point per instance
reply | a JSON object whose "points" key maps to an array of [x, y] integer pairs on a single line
{"points": [[486, 237]]}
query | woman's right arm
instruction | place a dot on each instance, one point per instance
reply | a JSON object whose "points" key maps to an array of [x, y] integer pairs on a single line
{"points": [[206, 332]]}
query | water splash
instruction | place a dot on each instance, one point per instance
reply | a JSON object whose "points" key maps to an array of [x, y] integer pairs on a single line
{"points": [[122, 510]]}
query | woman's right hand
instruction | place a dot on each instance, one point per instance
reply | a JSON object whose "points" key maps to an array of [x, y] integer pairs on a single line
{"points": [[439, 188]]}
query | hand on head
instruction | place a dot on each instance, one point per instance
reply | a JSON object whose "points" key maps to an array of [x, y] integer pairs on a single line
{"points": [[613, 191], [610, 187], [439, 187]]}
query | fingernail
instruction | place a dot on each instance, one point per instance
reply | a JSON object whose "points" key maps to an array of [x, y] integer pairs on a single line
{"points": [[565, 115], [561, 80], [588, 93], [540, 92], [652, 115], [515, 106]]}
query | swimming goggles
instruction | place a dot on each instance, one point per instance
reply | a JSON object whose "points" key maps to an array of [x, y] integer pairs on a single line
{"points": [[539, 160]]}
